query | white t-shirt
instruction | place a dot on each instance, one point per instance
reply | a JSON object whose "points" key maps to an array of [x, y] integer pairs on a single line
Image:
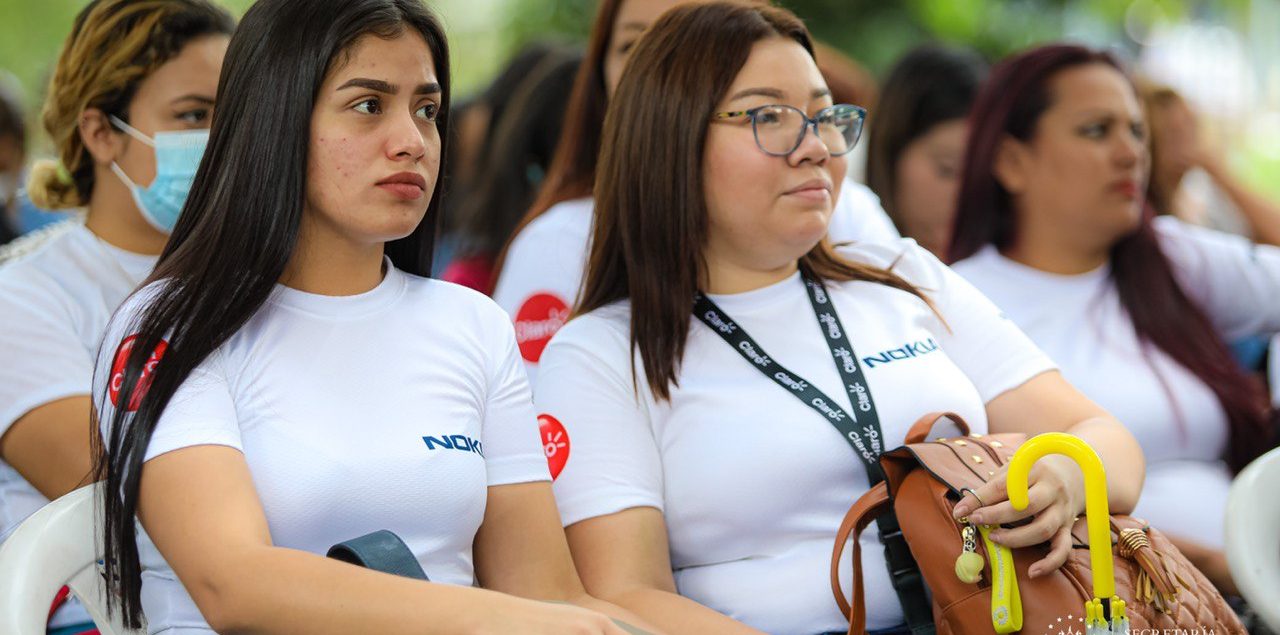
{"points": [[546, 262], [1079, 322], [753, 483], [393, 409], [58, 288]]}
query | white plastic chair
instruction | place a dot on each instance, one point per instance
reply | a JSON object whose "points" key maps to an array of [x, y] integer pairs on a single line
{"points": [[1273, 370], [53, 548], [1253, 536]]}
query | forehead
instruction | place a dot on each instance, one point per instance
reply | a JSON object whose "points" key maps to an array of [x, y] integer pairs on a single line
{"points": [[194, 70], [637, 15], [779, 63], [405, 56], [1093, 87]]}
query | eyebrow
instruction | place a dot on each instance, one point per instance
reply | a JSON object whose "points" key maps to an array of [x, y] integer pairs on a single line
{"points": [[774, 93], [1100, 113], [633, 26], [204, 99], [380, 86]]}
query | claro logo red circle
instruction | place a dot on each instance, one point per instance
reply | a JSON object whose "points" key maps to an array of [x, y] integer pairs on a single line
{"points": [[117, 372], [555, 443], [537, 320]]}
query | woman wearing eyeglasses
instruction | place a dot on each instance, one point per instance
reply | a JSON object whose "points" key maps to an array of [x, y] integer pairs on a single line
{"points": [[540, 272], [723, 350]]}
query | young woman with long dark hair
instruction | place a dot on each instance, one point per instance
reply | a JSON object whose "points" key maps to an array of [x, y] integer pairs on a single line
{"points": [[696, 488], [917, 138], [1051, 225], [126, 126], [287, 379], [540, 272]]}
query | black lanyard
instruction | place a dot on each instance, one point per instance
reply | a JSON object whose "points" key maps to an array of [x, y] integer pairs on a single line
{"points": [[860, 429]]}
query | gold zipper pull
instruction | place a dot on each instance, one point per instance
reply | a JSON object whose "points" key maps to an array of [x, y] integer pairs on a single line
{"points": [[970, 563]]}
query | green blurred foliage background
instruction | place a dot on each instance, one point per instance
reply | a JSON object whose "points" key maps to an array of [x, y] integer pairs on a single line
{"points": [[485, 33]]}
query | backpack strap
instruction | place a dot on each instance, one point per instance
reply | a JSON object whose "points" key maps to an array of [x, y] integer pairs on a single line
{"points": [[382, 551], [869, 507]]}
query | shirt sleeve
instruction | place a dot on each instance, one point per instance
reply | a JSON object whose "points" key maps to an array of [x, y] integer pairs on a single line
{"points": [[201, 411], [1235, 281], [586, 393], [44, 357], [512, 451], [985, 344], [539, 281]]}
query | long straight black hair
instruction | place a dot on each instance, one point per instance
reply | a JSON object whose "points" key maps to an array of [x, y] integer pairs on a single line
{"points": [[239, 228]]}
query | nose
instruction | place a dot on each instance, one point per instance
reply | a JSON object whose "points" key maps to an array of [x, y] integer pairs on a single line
{"points": [[811, 148], [405, 138], [1130, 149]]}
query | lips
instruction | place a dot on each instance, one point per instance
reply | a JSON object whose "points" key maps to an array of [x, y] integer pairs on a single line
{"points": [[1128, 188], [812, 185], [404, 185], [813, 190]]}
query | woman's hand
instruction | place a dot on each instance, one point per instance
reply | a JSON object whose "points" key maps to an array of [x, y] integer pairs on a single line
{"points": [[1056, 498], [534, 617]]}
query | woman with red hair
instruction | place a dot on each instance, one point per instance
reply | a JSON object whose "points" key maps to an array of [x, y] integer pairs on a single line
{"points": [[1051, 225]]}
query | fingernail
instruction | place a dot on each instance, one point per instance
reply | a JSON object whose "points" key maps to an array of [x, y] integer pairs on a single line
{"points": [[1033, 572]]}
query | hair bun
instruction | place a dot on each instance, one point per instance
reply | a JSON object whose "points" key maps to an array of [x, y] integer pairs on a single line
{"points": [[51, 187]]}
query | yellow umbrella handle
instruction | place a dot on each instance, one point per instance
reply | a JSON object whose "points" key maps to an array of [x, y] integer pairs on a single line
{"points": [[1095, 496]]}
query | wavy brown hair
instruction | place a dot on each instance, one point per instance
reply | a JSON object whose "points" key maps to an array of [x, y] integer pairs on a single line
{"points": [[113, 46], [651, 215]]}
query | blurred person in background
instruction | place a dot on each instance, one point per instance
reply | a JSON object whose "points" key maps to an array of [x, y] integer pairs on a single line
{"points": [[519, 149], [1192, 180], [916, 140], [18, 215], [1052, 225], [13, 150], [541, 269], [1179, 149], [474, 120], [128, 129]]}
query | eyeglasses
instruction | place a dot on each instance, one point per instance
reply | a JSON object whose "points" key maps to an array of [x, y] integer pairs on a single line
{"points": [[779, 129]]}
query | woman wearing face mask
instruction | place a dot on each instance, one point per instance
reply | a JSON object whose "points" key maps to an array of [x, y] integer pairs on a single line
{"points": [[541, 270], [916, 140], [287, 379], [705, 479], [116, 121], [1051, 225]]}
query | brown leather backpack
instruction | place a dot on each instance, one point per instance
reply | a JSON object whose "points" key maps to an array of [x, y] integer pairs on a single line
{"points": [[923, 483]]}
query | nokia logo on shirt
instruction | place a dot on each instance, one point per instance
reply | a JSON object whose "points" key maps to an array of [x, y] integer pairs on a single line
{"points": [[454, 442], [906, 351]]}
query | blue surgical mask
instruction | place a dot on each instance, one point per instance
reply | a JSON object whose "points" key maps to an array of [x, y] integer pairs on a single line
{"points": [[177, 158]]}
